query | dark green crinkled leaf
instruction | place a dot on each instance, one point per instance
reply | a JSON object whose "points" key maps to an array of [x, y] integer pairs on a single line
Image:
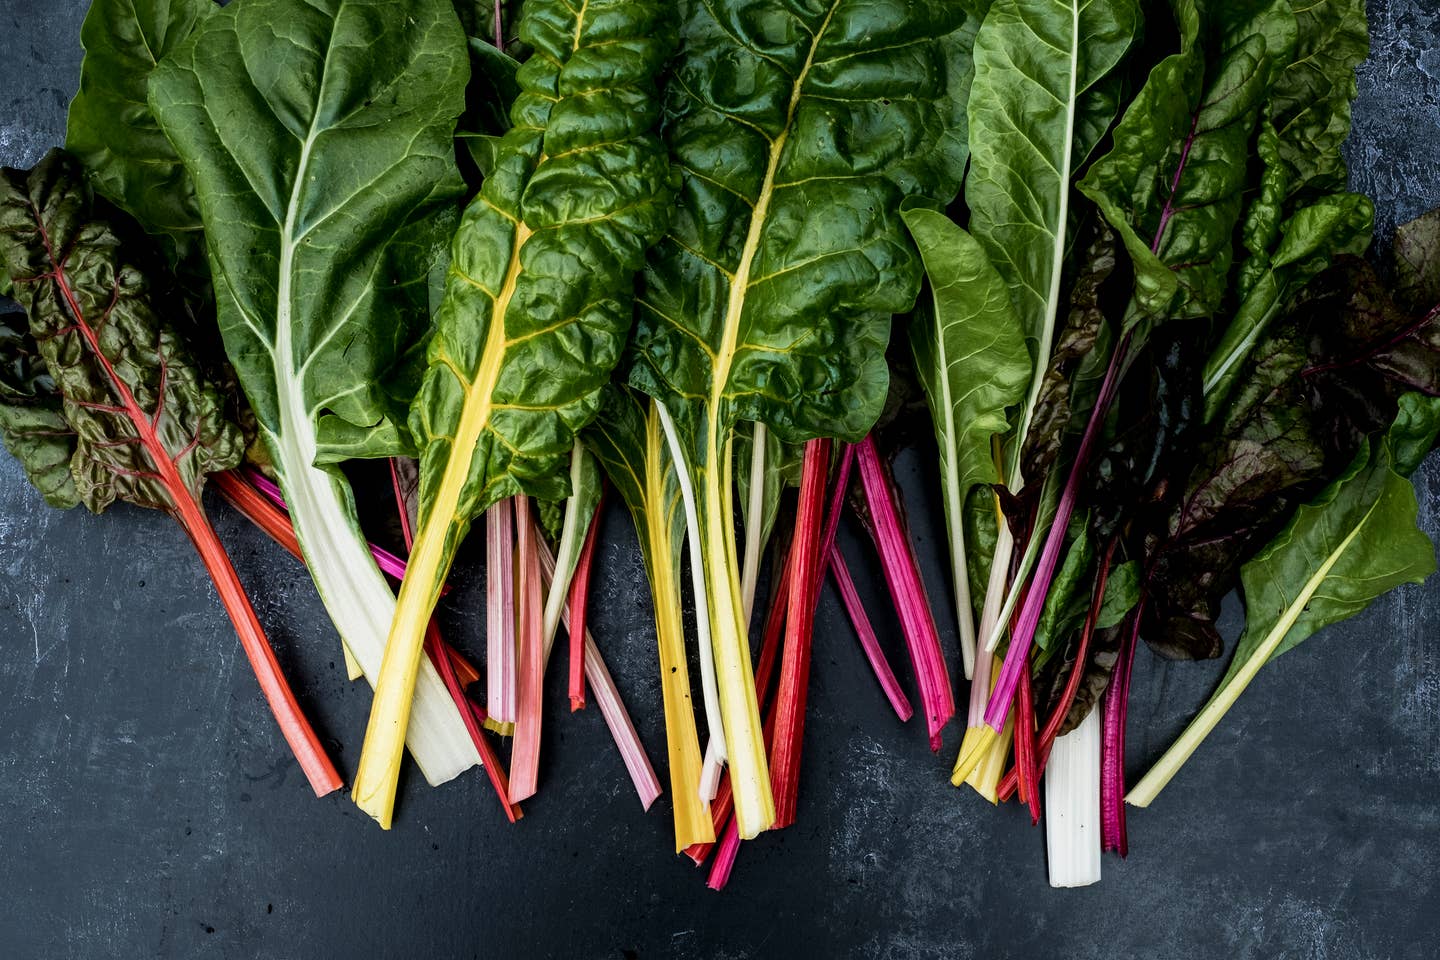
{"points": [[798, 132], [771, 297], [110, 127], [1173, 185], [537, 299], [1310, 103], [32, 421], [147, 424]]}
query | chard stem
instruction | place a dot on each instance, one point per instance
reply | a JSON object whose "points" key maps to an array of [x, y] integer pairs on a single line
{"points": [[531, 650], [296, 729], [500, 612], [715, 748], [754, 520], [606, 693]]}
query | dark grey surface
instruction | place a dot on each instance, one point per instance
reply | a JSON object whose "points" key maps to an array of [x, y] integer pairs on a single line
{"points": [[148, 808]]}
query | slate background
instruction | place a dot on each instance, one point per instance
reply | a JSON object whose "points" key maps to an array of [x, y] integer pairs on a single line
{"points": [[148, 809]]}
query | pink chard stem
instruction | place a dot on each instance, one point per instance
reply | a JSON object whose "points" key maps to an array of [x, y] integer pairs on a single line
{"points": [[500, 613], [1112, 744], [907, 589], [530, 654], [868, 641], [1018, 655]]}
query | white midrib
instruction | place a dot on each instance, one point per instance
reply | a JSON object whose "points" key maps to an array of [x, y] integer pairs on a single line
{"points": [[990, 617], [354, 591], [1057, 255], [1168, 765], [955, 512], [715, 750]]}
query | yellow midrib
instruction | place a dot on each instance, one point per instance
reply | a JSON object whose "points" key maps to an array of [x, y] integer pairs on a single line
{"points": [[740, 283], [474, 417], [692, 816]]}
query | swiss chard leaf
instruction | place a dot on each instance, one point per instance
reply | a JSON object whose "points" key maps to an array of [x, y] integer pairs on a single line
{"points": [[1312, 237], [972, 362], [110, 126], [323, 161], [798, 132], [147, 426], [781, 247], [536, 306], [1310, 103], [1032, 124], [1173, 184], [1352, 543]]}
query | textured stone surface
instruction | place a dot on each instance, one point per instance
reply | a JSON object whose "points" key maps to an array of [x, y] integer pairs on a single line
{"points": [[147, 807]]}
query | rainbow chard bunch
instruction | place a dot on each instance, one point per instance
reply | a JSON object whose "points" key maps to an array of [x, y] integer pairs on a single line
{"points": [[519, 256]]}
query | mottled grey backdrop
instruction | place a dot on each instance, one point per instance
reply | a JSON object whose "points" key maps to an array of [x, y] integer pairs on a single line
{"points": [[148, 807]]}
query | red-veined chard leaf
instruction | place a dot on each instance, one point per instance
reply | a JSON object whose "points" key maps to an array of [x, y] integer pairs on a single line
{"points": [[32, 421], [147, 426], [798, 131], [1173, 183], [323, 161], [536, 306]]}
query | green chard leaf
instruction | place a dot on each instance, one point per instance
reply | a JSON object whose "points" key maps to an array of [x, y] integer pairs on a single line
{"points": [[32, 419], [1068, 599], [972, 362], [536, 308], [1309, 241], [1310, 104], [1352, 543], [798, 132], [1293, 229], [323, 161], [1173, 184], [1036, 110], [110, 126], [629, 441]]}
